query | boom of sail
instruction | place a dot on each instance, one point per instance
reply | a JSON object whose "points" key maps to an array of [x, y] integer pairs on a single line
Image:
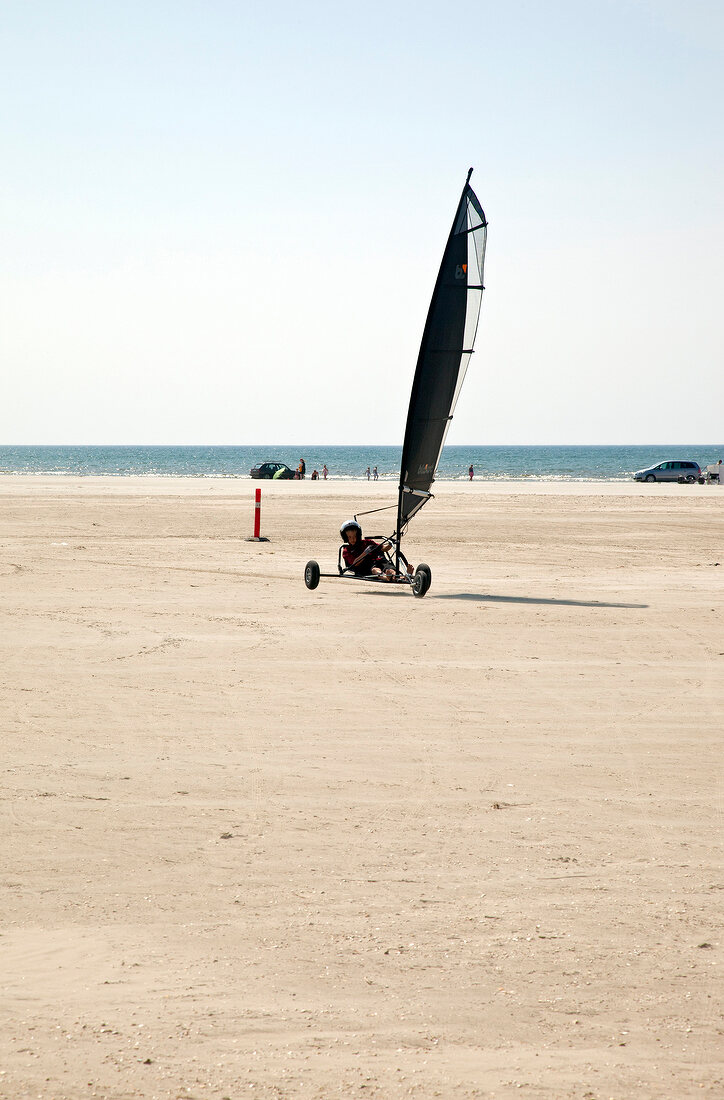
{"points": [[447, 344]]}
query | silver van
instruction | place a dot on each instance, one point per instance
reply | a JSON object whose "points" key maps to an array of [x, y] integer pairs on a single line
{"points": [[670, 471]]}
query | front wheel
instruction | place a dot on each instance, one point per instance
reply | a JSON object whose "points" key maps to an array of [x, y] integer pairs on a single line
{"points": [[311, 574], [649, 477], [421, 580]]}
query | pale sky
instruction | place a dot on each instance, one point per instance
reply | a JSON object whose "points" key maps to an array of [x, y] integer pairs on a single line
{"points": [[222, 221]]}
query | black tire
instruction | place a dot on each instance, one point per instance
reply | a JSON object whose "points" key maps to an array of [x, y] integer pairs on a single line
{"points": [[311, 574], [690, 479], [421, 581], [649, 477]]}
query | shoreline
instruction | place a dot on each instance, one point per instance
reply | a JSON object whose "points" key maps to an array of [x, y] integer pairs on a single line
{"points": [[187, 485]]}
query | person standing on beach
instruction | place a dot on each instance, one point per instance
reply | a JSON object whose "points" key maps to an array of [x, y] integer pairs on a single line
{"points": [[302, 468], [325, 471], [471, 472], [375, 475], [367, 471]]}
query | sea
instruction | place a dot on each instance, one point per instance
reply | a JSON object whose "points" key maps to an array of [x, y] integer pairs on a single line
{"points": [[511, 463]]}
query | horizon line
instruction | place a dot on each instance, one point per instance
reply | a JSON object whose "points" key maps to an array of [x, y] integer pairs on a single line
{"points": [[367, 446]]}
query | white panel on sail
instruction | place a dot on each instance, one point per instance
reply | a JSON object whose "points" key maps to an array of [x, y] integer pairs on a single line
{"points": [[476, 254], [472, 314], [464, 364], [474, 218]]}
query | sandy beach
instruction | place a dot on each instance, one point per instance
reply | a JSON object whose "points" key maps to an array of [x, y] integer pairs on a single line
{"points": [[260, 841]]}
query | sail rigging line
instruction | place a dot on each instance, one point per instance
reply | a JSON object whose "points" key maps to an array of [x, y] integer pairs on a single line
{"points": [[445, 352], [371, 511]]}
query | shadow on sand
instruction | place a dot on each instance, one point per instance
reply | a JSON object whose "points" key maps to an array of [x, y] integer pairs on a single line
{"points": [[483, 597], [487, 597]]}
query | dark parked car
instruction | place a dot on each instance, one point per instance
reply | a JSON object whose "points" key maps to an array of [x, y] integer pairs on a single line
{"points": [[269, 470]]}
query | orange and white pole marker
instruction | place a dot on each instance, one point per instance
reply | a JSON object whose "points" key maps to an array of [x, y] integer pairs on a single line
{"points": [[257, 536], [257, 515]]}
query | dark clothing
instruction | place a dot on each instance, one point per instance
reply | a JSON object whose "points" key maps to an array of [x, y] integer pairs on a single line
{"points": [[374, 558]]}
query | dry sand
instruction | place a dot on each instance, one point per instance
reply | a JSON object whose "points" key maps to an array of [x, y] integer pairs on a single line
{"points": [[265, 842]]}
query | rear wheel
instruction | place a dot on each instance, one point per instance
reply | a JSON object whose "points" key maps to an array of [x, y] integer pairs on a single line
{"points": [[690, 479], [649, 477], [422, 580], [311, 574]]}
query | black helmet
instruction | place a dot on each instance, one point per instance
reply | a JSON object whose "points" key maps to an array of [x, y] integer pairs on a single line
{"points": [[351, 523]]}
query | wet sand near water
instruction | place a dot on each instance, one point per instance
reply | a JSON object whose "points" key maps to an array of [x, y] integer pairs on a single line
{"points": [[261, 841]]}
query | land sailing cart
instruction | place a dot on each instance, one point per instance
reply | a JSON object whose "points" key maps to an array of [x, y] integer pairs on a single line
{"points": [[447, 344]]}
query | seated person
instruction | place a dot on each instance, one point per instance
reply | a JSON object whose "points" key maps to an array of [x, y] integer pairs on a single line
{"points": [[364, 557]]}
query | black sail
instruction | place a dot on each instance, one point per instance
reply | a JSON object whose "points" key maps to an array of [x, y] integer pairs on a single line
{"points": [[447, 344]]}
